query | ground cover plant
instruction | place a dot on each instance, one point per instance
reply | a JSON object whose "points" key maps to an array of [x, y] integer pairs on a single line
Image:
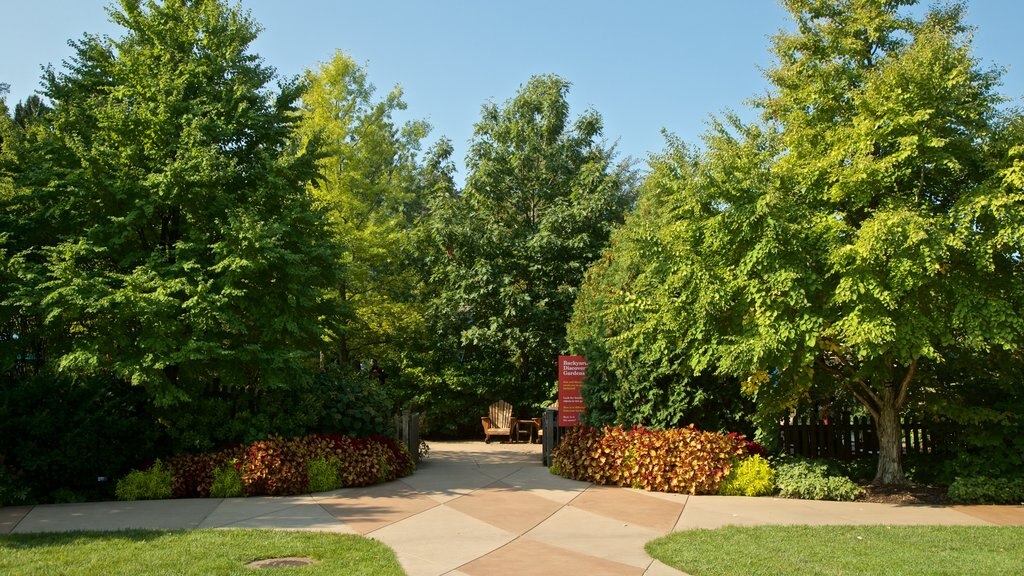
{"points": [[984, 490], [676, 460], [847, 550], [815, 479], [224, 552]]}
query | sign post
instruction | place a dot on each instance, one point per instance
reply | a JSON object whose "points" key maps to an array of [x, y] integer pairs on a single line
{"points": [[571, 371]]}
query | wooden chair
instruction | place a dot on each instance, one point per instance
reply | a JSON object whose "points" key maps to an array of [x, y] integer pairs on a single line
{"points": [[499, 421]]}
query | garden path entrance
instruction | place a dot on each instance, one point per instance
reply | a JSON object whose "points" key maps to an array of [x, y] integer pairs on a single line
{"points": [[475, 509]]}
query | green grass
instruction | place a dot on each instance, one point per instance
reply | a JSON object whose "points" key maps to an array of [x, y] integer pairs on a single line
{"points": [[846, 550], [198, 552]]}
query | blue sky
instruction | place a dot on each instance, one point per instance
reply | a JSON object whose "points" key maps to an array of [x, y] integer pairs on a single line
{"points": [[644, 65]]}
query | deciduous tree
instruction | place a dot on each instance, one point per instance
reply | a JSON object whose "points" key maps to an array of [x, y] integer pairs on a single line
{"points": [[369, 185], [189, 258], [863, 231], [542, 195]]}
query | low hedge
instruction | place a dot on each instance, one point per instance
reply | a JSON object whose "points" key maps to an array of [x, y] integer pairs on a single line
{"points": [[280, 467], [678, 460], [813, 479], [985, 490]]}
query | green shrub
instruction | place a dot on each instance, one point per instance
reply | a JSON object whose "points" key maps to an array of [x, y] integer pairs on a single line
{"points": [[66, 496], [984, 490], [814, 480], [194, 473], [152, 484], [227, 482], [12, 491], [324, 474], [751, 477], [45, 445], [678, 460]]}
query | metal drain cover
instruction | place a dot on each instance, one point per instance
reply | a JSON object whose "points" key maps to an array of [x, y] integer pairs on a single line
{"points": [[281, 562]]}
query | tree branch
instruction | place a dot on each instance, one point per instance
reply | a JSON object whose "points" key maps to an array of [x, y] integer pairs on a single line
{"points": [[905, 384]]}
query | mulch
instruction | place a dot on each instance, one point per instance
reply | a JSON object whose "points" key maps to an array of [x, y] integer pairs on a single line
{"points": [[907, 494]]}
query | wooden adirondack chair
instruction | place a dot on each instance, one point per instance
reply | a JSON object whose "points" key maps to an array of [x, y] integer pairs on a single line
{"points": [[499, 421]]}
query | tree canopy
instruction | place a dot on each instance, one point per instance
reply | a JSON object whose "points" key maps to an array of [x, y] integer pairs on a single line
{"points": [[848, 239], [369, 185], [542, 195], [177, 245]]}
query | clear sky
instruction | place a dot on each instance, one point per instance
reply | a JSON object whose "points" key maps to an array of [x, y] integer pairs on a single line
{"points": [[644, 65]]}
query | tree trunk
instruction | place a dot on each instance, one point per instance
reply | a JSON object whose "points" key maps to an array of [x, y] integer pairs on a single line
{"points": [[890, 449], [884, 406]]}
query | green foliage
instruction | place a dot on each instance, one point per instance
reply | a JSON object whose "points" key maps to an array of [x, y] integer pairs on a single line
{"points": [[369, 186], [680, 460], [355, 403], [981, 402], [636, 376], [751, 477], [68, 496], [63, 432], [152, 484], [12, 491], [177, 246], [507, 255], [324, 475], [227, 482], [814, 480], [845, 242], [987, 490]]}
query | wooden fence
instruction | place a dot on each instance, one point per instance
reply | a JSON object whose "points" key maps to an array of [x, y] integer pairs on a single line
{"points": [[847, 437]]}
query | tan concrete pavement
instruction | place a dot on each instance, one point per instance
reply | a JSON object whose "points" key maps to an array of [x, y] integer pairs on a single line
{"points": [[474, 509]]}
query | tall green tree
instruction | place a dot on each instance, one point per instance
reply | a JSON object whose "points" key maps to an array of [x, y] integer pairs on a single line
{"points": [[188, 257], [640, 372], [865, 230], [542, 195], [369, 187]]}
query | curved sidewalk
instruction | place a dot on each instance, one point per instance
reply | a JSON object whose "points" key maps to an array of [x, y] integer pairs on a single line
{"points": [[473, 509]]}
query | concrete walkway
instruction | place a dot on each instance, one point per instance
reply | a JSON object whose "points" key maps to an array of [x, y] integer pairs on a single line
{"points": [[473, 509]]}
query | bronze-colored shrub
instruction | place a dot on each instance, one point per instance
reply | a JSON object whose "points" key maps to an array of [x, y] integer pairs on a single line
{"points": [[678, 460], [279, 466]]}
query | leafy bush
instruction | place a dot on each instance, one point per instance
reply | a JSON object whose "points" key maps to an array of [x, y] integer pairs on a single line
{"points": [[279, 466], [227, 482], [49, 421], [324, 474], [751, 477], [984, 490], [67, 496], [678, 460], [152, 484], [12, 491], [814, 480]]}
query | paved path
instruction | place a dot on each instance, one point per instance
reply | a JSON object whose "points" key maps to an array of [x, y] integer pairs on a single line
{"points": [[474, 509]]}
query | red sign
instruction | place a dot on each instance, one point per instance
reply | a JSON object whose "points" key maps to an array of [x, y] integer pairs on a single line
{"points": [[571, 371]]}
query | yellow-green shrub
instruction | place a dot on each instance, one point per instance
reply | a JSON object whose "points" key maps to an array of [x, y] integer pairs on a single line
{"points": [[227, 482], [152, 484], [753, 476], [324, 474]]}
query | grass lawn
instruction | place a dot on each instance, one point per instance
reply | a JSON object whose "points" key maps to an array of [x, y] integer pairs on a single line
{"points": [[152, 552], [847, 550]]}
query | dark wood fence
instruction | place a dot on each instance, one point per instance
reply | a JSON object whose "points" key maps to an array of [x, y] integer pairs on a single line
{"points": [[847, 437]]}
